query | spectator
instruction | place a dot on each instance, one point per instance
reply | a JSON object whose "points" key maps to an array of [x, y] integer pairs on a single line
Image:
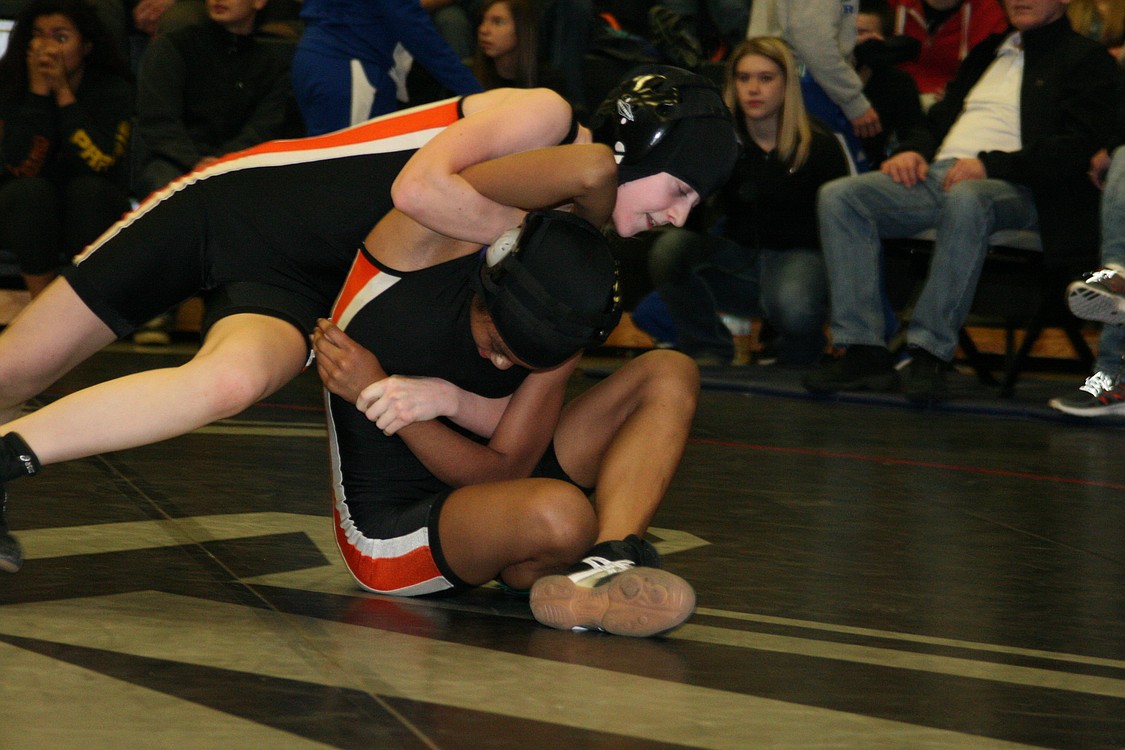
{"points": [[208, 90], [508, 48], [354, 55], [1101, 296], [763, 258], [890, 89], [947, 29], [822, 34], [1013, 138], [65, 106], [719, 25]]}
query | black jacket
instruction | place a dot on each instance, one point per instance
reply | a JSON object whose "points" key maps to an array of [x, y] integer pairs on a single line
{"points": [[1068, 108], [203, 91], [39, 138]]}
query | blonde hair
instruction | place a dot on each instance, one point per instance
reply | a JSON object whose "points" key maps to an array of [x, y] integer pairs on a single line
{"points": [[1088, 20], [794, 131]]}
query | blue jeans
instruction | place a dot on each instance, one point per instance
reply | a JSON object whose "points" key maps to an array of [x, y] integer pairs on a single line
{"points": [[1111, 344], [700, 275], [855, 212]]}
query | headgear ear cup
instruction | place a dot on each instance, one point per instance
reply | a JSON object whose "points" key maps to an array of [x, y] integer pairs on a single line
{"points": [[555, 293], [666, 119]]}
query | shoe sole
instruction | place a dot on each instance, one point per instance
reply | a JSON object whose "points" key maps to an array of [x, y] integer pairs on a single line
{"points": [[882, 383], [639, 602], [1087, 411], [1093, 304]]}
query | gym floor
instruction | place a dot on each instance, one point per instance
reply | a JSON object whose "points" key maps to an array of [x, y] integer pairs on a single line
{"points": [[869, 575]]}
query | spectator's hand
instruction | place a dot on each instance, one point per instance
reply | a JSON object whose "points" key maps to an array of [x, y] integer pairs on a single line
{"points": [[395, 402], [345, 367], [964, 169], [46, 72], [867, 124], [147, 12], [907, 168], [1099, 165]]}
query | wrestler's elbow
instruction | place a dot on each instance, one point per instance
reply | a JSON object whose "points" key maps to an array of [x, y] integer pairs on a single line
{"points": [[408, 191]]}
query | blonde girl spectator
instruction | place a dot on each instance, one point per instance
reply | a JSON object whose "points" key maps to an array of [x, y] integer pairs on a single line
{"points": [[763, 257]]}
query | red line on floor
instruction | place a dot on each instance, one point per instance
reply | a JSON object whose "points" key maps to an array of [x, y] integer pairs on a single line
{"points": [[908, 462]]}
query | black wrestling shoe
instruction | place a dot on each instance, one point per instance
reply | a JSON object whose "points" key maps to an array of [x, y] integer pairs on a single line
{"points": [[617, 588], [11, 554], [861, 368], [925, 378], [16, 460]]}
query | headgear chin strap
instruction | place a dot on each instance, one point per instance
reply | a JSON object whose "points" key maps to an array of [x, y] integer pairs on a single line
{"points": [[551, 288]]}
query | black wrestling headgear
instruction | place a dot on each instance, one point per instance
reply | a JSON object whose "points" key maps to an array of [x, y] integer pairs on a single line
{"points": [[551, 288], [665, 119]]}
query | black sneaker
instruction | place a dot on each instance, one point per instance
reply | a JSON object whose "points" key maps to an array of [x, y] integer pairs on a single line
{"points": [[925, 378], [11, 555], [617, 588], [1101, 395], [1100, 296], [862, 368]]}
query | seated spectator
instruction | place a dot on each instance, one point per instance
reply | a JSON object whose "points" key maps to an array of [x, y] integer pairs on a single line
{"points": [[1101, 297], [1007, 148], [763, 259], [889, 88], [719, 25], [947, 29], [207, 90], [508, 49], [210, 89], [66, 101], [1101, 20], [354, 57], [133, 23]]}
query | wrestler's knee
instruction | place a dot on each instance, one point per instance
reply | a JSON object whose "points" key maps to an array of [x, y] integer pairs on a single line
{"points": [[561, 520], [670, 375], [228, 386]]}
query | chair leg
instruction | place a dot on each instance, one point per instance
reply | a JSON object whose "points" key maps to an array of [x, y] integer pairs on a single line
{"points": [[1073, 331], [975, 358], [1015, 364]]}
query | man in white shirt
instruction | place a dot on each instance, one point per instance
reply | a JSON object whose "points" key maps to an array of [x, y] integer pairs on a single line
{"points": [[1007, 148]]}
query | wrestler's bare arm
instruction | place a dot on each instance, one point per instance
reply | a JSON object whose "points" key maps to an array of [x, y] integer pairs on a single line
{"points": [[519, 441], [431, 189], [520, 428], [583, 177]]}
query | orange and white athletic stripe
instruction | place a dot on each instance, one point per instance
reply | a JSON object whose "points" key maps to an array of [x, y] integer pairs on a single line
{"points": [[399, 131], [402, 565]]}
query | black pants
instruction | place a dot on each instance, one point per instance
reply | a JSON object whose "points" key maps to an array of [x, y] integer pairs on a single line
{"points": [[46, 223]]}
